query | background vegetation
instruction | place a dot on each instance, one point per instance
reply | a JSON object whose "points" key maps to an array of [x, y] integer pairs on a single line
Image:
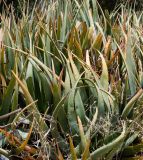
{"points": [[71, 81], [105, 4]]}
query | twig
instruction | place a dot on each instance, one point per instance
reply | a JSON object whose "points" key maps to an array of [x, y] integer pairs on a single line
{"points": [[5, 126], [18, 115], [4, 152], [9, 114]]}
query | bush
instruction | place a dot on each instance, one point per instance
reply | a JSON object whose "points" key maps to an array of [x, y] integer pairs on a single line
{"points": [[105, 4], [110, 5], [16, 5]]}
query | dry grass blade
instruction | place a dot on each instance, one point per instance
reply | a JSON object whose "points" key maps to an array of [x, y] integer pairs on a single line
{"points": [[60, 156], [1, 37], [14, 141], [82, 135], [86, 153], [22, 111], [24, 144], [91, 127], [72, 149]]}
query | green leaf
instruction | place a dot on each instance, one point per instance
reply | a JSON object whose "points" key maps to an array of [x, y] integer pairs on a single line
{"points": [[33, 108], [6, 101], [131, 103], [102, 151], [104, 80]]}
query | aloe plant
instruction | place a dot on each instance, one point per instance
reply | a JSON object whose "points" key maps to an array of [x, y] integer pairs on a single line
{"points": [[81, 69]]}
